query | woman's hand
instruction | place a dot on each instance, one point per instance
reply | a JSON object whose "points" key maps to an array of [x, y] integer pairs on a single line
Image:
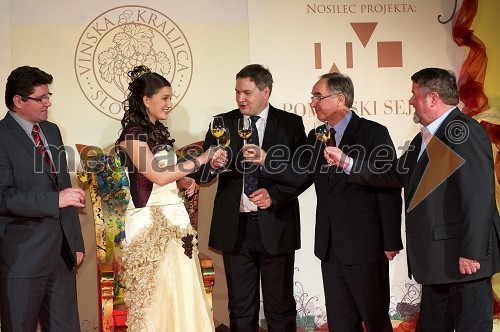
{"points": [[206, 156], [219, 159], [188, 184], [216, 156]]}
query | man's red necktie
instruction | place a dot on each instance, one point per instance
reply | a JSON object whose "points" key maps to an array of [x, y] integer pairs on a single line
{"points": [[35, 132], [331, 140]]}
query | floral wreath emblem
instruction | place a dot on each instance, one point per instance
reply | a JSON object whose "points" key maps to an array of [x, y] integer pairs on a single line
{"points": [[122, 38]]}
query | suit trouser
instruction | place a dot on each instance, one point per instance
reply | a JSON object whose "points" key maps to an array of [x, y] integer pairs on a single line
{"points": [[250, 263], [50, 299], [356, 294], [461, 307]]}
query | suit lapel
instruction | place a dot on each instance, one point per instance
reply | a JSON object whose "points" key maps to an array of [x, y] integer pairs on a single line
{"points": [[420, 166], [415, 167], [440, 133], [54, 146], [349, 139], [417, 171], [271, 126], [350, 136], [20, 135]]}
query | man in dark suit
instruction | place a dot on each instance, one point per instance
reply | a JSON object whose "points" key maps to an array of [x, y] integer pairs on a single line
{"points": [[41, 241], [358, 228], [257, 229], [451, 214]]}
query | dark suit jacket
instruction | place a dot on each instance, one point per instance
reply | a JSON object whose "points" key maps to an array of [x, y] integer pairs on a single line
{"points": [[458, 218], [32, 227], [280, 223], [360, 222]]}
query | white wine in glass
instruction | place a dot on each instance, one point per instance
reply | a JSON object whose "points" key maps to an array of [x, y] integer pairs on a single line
{"points": [[224, 142], [244, 129], [225, 139], [217, 127], [322, 132]]}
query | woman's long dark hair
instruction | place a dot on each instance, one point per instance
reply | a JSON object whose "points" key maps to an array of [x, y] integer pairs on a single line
{"points": [[145, 83]]}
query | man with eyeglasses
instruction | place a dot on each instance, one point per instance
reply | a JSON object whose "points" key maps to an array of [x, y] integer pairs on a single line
{"points": [[41, 242], [358, 228]]}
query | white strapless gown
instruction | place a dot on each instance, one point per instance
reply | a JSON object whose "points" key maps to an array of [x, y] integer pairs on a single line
{"points": [[164, 286]]}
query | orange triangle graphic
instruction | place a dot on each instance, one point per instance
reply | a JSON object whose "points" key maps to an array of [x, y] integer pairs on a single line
{"points": [[364, 31], [443, 162], [334, 69]]}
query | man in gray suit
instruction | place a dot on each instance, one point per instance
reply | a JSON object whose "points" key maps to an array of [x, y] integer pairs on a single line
{"points": [[41, 242]]}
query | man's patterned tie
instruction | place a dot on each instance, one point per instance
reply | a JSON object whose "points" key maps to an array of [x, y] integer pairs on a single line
{"points": [[331, 140], [251, 179], [35, 132]]}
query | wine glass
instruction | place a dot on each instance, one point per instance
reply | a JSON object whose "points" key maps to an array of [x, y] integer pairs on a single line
{"points": [[322, 132], [217, 128], [224, 142], [225, 139], [245, 129], [221, 134]]}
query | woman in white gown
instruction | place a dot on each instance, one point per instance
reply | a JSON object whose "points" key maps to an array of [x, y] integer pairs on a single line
{"points": [[163, 283]]}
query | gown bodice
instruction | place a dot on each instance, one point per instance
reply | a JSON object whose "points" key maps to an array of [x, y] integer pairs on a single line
{"points": [[166, 197], [159, 195]]}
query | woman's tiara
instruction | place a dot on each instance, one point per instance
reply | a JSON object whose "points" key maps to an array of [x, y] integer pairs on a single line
{"points": [[138, 72]]}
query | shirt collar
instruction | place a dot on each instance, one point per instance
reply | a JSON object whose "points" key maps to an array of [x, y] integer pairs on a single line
{"points": [[262, 115], [26, 125], [434, 125], [341, 126]]}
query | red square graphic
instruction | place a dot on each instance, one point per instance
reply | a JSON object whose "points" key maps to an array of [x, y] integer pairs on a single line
{"points": [[390, 54]]}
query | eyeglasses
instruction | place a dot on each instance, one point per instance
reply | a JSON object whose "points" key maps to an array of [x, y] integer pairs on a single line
{"points": [[39, 99], [319, 98]]}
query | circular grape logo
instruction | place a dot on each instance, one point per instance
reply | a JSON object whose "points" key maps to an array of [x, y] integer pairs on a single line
{"points": [[122, 38]]}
